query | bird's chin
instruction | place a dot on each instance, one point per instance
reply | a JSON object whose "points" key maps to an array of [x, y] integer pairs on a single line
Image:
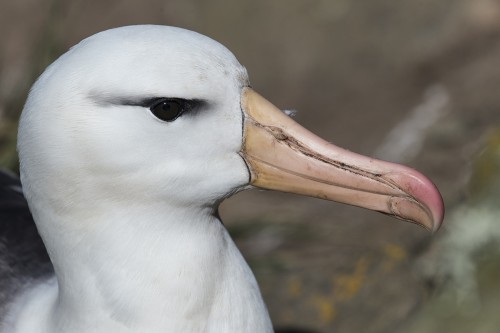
{"points": [[284, 156]]}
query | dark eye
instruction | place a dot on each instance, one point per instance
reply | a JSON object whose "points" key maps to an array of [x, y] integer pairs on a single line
{"points": [[168, 110]]}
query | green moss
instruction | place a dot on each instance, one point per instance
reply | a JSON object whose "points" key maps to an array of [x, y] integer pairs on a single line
{"points": [[485, 176]]}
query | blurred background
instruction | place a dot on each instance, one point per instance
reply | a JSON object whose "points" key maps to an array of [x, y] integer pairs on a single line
{"points": [[412, 81]]}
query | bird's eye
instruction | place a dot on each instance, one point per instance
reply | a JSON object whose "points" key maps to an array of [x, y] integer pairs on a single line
{"points": [[168, 110]]}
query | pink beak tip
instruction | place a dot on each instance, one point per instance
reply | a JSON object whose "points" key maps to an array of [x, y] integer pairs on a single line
{"points": [[423, 190]]}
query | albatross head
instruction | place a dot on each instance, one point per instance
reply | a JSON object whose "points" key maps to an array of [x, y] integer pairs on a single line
{"points": [[137, 113], [167, 115], [127, 144]]}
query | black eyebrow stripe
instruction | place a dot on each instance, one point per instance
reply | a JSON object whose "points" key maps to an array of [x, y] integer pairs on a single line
{"points": [[143, 102], [194, 103], [147, 102]]}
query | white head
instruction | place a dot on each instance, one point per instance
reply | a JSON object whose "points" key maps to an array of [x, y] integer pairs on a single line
{"points": [[87, 133]]}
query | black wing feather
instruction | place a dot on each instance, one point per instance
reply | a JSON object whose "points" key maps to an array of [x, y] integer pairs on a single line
{"points": [[23, 256]]}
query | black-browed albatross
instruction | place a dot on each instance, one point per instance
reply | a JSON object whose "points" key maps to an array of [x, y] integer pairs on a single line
{"points": [[127, 145]]}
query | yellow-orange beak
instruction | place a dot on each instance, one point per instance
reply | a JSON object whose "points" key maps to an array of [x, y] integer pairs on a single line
{"points": [[282, 155]]}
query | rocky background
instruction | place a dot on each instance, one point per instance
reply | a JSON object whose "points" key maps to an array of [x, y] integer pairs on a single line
{"points": [[417, 82]]}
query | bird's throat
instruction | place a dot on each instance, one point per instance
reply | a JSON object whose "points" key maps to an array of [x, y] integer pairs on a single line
{"points": [[171, 271]]}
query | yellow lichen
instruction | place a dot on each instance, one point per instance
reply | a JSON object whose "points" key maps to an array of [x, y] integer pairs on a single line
{"points": [[325, 307], [346, 286], [295, 286], [394, 254]]}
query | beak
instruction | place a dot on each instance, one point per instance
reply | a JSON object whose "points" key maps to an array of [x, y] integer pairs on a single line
{"points": [[282, 155]]}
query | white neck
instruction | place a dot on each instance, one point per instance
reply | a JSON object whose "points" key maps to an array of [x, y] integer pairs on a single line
{"points": [[144, 269]]}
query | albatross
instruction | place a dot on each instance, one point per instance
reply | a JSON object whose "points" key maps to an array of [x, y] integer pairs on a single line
{"points": [[128, 143]]}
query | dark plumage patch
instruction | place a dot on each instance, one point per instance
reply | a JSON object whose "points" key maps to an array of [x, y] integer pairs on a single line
{"points": [[23, 256]]}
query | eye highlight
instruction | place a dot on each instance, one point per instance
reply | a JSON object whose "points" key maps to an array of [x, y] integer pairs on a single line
{"points": [[169, 109]]}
